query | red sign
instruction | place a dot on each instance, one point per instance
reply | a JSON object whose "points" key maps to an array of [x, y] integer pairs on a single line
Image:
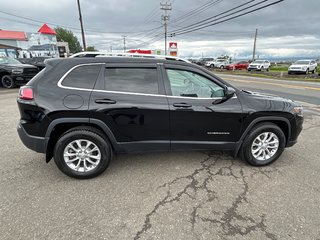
{"points": [[173, 45]]}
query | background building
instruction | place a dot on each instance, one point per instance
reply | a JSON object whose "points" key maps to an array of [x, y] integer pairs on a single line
{"points": [[20, 44]]}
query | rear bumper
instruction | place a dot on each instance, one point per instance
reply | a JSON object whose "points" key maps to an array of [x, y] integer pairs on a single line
{"points": [[38, 144]]}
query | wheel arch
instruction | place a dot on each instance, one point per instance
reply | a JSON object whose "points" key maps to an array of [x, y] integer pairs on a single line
{"points": [[282, 122], [60, 126]]}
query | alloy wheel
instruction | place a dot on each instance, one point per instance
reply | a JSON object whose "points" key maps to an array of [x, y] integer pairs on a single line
{"points": [[82, 155], [265, 146]]}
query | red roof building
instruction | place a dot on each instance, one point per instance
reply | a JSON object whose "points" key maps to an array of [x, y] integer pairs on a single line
{"points": [[13, 35], [45, 29]]}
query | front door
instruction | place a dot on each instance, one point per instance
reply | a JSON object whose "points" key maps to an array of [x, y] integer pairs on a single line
{"points": [[199, 118]]}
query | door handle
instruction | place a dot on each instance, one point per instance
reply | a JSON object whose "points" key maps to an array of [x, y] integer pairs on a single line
{"points": [[105, 101], [182, 105]]}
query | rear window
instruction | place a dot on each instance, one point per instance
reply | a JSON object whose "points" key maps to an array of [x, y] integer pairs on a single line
{"points": [[82, 76], [136, 80]]}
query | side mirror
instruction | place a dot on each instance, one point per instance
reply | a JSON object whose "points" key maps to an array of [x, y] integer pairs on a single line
{"points": [[229, 92]]}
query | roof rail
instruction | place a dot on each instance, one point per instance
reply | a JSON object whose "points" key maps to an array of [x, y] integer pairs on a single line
{"points": [[137, 55]]}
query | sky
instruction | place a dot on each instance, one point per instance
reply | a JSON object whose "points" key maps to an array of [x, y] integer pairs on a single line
{"points": [[289, 29]]}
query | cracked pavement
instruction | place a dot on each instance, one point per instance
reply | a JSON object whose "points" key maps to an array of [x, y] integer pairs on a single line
{"points": [[179, 195]]}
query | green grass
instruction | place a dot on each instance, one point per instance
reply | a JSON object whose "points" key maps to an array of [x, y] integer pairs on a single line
{"points": [[279, 68]]}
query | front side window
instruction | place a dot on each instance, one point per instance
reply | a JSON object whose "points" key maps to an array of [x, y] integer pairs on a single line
{"points": [[189, 84], [136, 80], [82, 77]]}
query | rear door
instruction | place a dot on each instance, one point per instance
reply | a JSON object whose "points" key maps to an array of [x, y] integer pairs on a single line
{"points": [[130, 100], [198, 117]]}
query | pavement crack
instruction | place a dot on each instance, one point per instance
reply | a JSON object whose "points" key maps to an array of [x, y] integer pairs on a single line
{"points": [[197, 189]]}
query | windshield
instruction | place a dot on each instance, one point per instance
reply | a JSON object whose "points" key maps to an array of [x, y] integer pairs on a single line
{"points": [[258, 61], [6, 60], [302, 62], [220, 60]]}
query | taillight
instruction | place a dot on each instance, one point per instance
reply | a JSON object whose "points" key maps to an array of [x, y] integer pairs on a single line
{"points": [[26, 93]]}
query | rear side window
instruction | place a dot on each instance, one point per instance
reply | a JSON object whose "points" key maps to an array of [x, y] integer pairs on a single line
{"points": [[136, 80], [82, 77]]}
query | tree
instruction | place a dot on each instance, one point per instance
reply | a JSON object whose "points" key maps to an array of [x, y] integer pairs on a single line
{"points": [[91, 49], [64, 35]]}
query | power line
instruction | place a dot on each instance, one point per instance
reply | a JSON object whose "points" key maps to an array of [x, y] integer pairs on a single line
{"points": [[225, 20], [217, 15], [196, 11], [41, 21]]}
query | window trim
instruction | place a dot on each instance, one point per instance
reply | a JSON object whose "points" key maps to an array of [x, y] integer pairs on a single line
{"points": [[182, 68], [162, 80], [70, 70]]}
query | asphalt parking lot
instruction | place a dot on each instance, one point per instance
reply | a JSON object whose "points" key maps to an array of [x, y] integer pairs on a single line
{"points": [[181, 195]]}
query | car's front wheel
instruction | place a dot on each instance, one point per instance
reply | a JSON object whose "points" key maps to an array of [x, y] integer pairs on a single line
{"points": [[7, 81], [263, 145], [82, 153]]}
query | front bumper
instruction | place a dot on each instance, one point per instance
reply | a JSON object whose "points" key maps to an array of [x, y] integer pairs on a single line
{"points": [[296, 71], [22, 78], [253, 69], [38, 144]]}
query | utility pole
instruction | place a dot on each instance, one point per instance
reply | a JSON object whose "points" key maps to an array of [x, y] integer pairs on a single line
{"points": [[81, 24], [124, 43], [166, 7], [254, 45]]}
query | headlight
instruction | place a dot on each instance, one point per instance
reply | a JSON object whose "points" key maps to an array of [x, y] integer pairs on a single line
{"points": [[17, 71], [297, 111]]}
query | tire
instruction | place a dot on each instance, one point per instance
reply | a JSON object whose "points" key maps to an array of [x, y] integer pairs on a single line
{"points": [[261, 69], [212, 65], [250, 148], [307, 71], [313, 71], [82, 168], [221, 67], [7, 82], [268, 69]]}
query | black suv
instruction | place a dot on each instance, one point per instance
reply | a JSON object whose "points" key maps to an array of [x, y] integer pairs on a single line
{"points": [[82, 110], [13, 72]]}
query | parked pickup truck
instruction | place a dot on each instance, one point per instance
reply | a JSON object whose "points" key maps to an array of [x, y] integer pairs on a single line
{"points": [[14, 73]]}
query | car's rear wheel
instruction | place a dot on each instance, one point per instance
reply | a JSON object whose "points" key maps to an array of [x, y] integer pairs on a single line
{"points": [[82, 153], [263, 145], [7, 81]]}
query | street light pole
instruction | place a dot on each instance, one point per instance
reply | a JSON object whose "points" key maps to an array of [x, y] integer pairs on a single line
{"points": [[81, 24]]}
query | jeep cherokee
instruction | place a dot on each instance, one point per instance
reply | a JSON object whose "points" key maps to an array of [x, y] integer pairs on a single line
{"points": [[80, 111]]}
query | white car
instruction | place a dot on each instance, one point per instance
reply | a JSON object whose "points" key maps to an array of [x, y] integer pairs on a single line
{"points": [[219, 63], [259, 65], [303, 66]]}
